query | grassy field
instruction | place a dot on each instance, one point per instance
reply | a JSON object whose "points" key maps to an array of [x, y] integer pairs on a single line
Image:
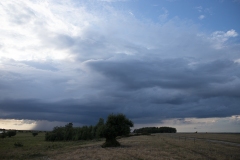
{"points": [[234, 138], [153, 147]]}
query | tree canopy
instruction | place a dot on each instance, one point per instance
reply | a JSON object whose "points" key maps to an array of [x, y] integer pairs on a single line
{"points": [[116, 125]]}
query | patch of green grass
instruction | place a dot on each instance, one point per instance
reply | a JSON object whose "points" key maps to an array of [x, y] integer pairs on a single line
{"points": [[160, 146], [33, 147]]}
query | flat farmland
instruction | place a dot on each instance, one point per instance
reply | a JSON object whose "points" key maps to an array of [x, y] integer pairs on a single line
{"points": [[152, 147], [234, 137]]}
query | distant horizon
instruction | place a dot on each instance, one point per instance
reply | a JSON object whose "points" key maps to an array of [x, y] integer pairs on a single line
{"points": [[132, 132], [221, 132]]}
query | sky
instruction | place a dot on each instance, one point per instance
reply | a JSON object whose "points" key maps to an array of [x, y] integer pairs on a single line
{"points": [[161, 63]]}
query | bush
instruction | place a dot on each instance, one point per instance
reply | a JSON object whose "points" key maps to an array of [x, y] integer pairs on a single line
{"points": [[155, 130], [11, 133], [34, 134], [2, 135], [18, 144]]}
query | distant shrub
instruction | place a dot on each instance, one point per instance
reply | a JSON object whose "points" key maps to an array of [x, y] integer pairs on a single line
{"points": [[35, 134], [11, 133], [2, 135], [155, 130], [18, 144]]}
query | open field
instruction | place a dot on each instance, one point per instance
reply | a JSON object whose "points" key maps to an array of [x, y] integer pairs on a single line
{"points": [[159, 146], [233, 137]]}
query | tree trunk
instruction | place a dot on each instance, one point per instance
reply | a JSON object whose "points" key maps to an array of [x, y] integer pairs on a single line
{"points": [[111, 143]]}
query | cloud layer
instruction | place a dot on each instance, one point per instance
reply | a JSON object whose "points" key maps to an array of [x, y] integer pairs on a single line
{"points": [[76, 62]]}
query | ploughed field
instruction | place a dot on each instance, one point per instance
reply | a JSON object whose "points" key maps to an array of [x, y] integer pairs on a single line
{"points": [[150, 147]]}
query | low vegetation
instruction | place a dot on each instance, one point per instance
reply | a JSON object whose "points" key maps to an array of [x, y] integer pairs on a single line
{"points": [[155, 130], [34, 134], [18, 144], [8, 133]]}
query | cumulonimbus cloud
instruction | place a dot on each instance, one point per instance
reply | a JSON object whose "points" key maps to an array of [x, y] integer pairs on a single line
{"points": [[67, 62]]}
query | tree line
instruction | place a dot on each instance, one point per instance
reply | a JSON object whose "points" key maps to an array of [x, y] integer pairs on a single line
{"points": [[68, 132], [116, 125], [8, 133], [155, 130]]}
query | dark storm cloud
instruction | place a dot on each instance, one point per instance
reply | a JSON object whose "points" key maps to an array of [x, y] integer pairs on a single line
{"points": [[176, 85], [66, 111], [76, 64], [146, 90], [167, 73]]}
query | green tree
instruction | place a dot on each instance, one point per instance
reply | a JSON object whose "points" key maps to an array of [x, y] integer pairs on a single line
{"points": [[68, 135], [116, 125], [99, 128], [56, 135], [84, 132]]}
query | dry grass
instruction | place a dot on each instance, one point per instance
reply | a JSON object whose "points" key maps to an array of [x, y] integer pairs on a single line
{"points": [[161, 146], [235, 138], [154, 147]]}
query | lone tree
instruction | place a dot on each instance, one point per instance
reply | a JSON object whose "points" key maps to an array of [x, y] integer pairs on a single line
{"points": [[116, 125]]}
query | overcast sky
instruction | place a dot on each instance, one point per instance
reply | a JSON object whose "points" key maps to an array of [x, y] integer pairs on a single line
{"points": [[168, 62]]}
